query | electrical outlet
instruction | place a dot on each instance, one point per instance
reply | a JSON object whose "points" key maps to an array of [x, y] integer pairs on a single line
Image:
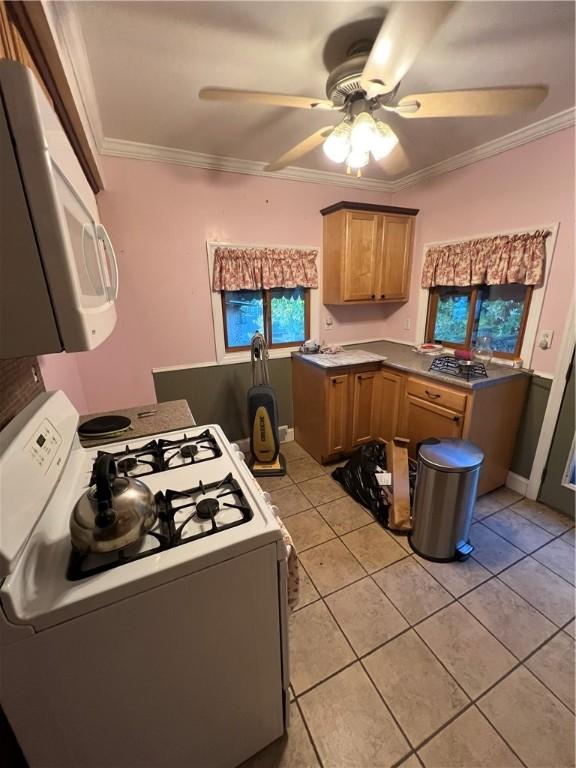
{"points": [[328, 322], [407, 324], [545, 340]]}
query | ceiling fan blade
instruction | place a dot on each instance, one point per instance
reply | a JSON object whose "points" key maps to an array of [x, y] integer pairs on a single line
{"points": [[407, 29], [477, 103], [261, 97], [300, 149]]}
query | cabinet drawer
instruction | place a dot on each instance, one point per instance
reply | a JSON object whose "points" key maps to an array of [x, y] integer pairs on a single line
{"points": [[448, 398]]}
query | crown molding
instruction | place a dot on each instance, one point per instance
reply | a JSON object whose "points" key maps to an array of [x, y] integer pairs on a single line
{"points": [[73, 52], [529, 133], [65, 19], [139, 151]]}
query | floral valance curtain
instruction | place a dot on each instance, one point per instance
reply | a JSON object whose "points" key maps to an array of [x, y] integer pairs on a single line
{"points": [[491, 260], [254, 268]]}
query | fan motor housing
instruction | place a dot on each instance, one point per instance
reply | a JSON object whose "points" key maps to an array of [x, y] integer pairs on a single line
{"points": [[344, 80]]}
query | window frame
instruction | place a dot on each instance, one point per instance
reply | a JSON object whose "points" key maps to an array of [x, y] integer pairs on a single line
{"points": [[221, 357], [472, 291], [267, 312]]}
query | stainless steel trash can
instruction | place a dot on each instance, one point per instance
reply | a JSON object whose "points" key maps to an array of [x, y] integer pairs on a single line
{"points": [[444, 498]]}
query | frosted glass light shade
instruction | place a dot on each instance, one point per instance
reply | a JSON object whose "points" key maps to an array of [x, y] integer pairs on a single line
{"points": [[337, 145], [358, 158], [383, 141], [363, 130]]}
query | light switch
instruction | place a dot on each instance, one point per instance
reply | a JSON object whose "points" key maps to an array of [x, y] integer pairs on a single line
{"points": [[328, 321], [545, 340], [407, 324]]}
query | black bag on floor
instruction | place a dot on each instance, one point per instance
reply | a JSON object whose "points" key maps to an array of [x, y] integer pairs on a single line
{"points": [[358, 477]]}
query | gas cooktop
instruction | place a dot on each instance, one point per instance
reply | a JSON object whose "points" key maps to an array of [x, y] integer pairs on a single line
{"points": [[160, 455], [182, 516]]}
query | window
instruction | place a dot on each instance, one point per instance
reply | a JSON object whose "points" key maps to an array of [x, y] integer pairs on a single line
{"points": [[457, 317], [281, 314]]}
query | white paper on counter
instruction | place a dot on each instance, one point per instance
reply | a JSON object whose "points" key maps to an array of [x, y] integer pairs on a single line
{"points": [[353, 357]]}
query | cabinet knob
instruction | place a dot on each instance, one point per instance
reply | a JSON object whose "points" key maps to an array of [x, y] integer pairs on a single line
{"points": [[456, 418], [373, 296], [382, 295]]}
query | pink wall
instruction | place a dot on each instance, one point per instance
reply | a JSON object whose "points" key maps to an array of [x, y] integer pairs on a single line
{"points": [[62, 372], [530, 186], [160, 216]]}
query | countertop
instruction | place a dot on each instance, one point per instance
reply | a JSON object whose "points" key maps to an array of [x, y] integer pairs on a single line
{"points": [[342, 359], [403, 358], [166, 417]]}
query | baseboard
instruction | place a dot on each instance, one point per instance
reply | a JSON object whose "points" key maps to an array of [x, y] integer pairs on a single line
{"points": [[517, 483], [286, 436]]}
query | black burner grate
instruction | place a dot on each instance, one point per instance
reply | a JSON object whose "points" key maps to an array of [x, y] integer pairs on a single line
{"points": [[161, 455], [463, 369], [205, 502]]}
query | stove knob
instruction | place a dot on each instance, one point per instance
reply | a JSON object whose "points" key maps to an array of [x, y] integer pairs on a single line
{"points": [[274, 509], [267, 497], [238, 452]]}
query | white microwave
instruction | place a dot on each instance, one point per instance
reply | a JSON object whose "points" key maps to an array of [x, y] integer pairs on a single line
{"points": [[58, 271]]}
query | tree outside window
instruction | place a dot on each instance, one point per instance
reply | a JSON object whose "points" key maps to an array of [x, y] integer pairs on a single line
{"points": [[280, 314], [458, 317]]}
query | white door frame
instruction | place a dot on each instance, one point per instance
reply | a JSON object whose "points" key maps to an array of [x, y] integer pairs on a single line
{"points": [[553, 405]]}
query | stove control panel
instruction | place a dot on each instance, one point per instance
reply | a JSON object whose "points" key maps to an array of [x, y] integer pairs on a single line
{"points": [[44, 444]]}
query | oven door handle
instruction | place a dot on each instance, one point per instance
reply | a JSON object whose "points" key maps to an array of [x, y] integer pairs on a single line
{"points": [[104, 238]]}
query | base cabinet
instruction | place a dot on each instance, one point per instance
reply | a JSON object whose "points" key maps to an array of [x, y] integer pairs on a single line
{"points": [[388, 400], [338, 410], [337, 397], [333, 409], [363, 386], [422, 419]]}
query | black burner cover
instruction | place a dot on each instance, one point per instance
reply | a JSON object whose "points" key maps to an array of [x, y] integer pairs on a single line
{"points": [[206, 508], [127, 464], [189, 450]]}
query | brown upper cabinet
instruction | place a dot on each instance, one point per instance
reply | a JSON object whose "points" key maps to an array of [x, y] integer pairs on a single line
{"points": [[367, 253], [26, 36]]}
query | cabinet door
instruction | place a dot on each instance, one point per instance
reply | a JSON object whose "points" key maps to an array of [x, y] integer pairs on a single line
{"points": [[7, 50], [337, 413], [394, 280], [363, 407], [422, 419], [361, 255], [387, 406]]}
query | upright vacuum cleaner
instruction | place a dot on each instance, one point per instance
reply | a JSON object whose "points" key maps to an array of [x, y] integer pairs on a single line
{"points": [[267, 461]]}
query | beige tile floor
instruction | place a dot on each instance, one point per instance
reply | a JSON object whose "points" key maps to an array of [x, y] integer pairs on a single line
{"points": [[397, 661]]}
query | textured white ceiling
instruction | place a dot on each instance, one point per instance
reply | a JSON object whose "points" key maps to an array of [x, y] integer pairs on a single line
{"points": [[149, 59]]}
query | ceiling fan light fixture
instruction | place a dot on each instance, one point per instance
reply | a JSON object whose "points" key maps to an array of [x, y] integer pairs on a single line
{"points": [[337, 145], [363, 130], [383, 141], [357, 158]]}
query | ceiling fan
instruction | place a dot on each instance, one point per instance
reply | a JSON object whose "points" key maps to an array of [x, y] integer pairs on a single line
{"points": [[367, 82]]}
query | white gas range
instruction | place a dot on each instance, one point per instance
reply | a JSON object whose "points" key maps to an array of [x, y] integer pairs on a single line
{"points": [[170, 653]]}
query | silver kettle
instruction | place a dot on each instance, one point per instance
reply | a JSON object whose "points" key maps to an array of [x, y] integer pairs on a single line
{"points": [[113, 513]]}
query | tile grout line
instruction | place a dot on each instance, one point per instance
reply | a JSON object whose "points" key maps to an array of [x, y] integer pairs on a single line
{"points": [[497, 575], [455, 598], [358, 660], [473, 702], [309, 732], [528, 554]]}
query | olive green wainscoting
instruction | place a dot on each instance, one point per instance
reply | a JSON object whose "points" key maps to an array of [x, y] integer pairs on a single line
{"points": [[217, 394], [530, 426]]}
